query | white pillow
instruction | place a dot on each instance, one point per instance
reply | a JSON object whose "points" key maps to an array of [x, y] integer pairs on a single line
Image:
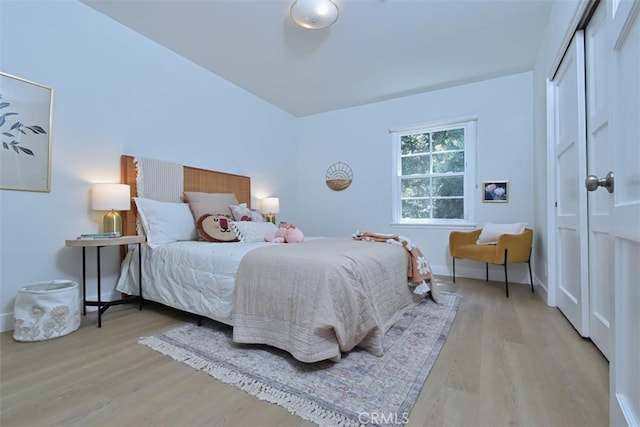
{"points": [[165, 222], [251, 231], [242, 213], [491, 232]]}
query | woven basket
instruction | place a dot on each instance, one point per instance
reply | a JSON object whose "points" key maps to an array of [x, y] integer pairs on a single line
{"points": [[338, 184], [45, 310]]}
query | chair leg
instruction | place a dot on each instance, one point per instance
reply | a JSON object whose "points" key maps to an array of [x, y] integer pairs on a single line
{"points": [[487, 268], [506, 279], [454, 269], [530, 275]]}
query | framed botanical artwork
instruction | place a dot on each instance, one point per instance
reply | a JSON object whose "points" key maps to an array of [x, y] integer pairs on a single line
{"points": [[26, 118], [495, 191]]}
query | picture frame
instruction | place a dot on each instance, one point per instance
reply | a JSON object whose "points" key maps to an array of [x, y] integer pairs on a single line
{"points": [[495, 191], [26, 122]]}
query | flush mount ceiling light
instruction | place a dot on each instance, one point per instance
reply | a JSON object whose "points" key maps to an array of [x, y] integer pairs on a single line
{"points": [[314, 14]]}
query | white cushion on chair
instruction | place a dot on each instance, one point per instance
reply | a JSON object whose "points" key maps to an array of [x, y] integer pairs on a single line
{"points": [[490, 232]]}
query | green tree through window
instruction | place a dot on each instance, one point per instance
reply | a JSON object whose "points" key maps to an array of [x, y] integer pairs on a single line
{"points": [[431, 173]]}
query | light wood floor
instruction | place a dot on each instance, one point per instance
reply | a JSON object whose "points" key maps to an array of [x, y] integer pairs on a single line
{"points": [[506, 362]]}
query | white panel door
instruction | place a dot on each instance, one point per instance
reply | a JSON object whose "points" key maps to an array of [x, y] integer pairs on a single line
{"points": [[625, 217], [599, 163], [571, 199]]}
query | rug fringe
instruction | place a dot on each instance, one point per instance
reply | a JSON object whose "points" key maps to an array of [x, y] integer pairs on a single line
{"points": [[299, 406]]}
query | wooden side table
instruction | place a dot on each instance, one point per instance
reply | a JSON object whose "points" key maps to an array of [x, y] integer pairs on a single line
{"points": [[99, 243]]}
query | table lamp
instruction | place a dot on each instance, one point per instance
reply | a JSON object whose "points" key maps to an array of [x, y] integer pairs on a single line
{"points": [[112, 198], [270, 206]]}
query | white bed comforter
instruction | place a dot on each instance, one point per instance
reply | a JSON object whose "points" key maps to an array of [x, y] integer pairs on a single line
{"points": [[197, 277], [329, 299]]}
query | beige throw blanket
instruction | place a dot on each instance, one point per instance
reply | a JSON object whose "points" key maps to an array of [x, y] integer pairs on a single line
{"points": [[419, 270], [322, 297]]}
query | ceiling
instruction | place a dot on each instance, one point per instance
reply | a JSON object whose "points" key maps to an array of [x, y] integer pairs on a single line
{"points": [[377, 50]]}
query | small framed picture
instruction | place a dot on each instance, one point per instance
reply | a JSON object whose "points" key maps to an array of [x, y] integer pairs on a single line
{"points": [[495, 191]]}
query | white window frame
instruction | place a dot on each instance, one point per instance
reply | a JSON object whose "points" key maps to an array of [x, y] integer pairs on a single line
{"points": [[469, 124]]}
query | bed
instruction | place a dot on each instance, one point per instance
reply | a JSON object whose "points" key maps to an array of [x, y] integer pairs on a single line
{"points": [[315, 299]]}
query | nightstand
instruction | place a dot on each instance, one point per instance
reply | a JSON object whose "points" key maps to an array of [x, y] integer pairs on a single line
{"points": [[99, 243]]}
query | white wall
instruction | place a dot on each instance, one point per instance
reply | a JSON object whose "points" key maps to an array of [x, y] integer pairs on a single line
{"points": [[117, 92], [120, 93], [360, 137]]}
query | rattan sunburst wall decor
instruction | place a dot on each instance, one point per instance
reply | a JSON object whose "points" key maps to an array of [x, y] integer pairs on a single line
{"points": [[339, 176]]}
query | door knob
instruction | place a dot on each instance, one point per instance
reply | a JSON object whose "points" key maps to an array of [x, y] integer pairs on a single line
{"points": [[592, 182]]}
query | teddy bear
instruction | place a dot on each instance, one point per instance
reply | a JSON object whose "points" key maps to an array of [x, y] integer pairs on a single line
{"points": [[286, 233]]}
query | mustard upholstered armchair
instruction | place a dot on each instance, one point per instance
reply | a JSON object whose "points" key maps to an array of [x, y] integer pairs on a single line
{"points": [[509, 249]]}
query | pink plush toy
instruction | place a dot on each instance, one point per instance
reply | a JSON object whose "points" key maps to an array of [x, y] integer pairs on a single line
{"points": [[286, 233], [293, 235], [278, 237]]}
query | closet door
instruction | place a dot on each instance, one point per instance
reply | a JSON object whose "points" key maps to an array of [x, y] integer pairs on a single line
{"points": [[570, 165], [624, 43], [599, 163]]}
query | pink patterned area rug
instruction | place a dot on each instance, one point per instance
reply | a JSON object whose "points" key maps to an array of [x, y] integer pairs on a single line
{"points": [[360, 389]]}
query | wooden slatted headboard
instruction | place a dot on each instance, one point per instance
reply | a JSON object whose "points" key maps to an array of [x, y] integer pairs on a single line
{"points": [[195, 179]]}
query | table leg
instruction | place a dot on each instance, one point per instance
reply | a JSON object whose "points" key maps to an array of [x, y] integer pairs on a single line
{"points": [[99, 290], [84, 283], [140, 274]]}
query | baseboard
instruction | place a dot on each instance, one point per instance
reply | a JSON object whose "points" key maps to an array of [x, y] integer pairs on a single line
{"points": [[496, 273], [105, 297], [542, 290], [6, 319], [440, 270], [6, 322]]}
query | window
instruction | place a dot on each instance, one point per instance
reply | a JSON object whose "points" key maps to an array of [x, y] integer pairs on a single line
{"points": [[434, 173]]}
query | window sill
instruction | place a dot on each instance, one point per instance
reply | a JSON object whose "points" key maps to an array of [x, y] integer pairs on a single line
{"points": [[447, 225]]}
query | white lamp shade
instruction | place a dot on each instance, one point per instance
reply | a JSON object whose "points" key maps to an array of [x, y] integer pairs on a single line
{"points": [[314, 14], [106, 197], [270, 205]]}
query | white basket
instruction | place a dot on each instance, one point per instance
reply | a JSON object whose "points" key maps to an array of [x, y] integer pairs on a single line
{"points": [[46, 310]]}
